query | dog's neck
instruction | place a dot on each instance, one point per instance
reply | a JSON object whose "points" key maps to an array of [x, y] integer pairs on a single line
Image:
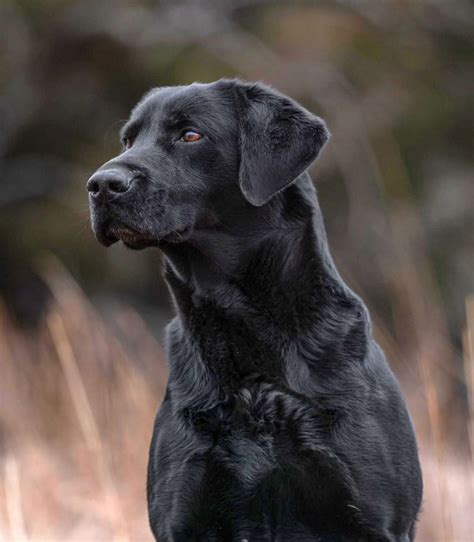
{"points": [[278, 243], [268, 281]]}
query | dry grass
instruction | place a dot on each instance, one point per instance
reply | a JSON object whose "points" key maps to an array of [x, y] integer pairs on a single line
{"points": [[78, 402], [78, 398]]}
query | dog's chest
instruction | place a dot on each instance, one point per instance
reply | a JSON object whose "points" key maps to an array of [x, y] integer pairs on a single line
{"points": [[262, 427], [249, 439], [213, 360]]}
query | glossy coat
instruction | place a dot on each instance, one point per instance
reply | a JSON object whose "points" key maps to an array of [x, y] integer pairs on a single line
{"points": [[282, 420]]}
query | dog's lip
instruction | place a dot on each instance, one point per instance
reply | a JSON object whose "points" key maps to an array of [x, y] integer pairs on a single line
{"points": [[110, 232], [126, 234], [130, 237], [109, 240], [105, 236]]}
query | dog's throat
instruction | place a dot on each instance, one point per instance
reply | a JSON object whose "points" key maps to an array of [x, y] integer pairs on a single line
{"points": [[244, 324], [233, 346]]}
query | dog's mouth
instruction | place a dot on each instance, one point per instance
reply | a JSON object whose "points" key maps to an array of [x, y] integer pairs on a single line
{"points": [[111, 226], [130, 237], [112, 233], [126, 234]]}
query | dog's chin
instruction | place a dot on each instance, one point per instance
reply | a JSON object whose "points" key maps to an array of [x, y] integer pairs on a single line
{"points": [[132, 238], [105, 237], [136, 240]]}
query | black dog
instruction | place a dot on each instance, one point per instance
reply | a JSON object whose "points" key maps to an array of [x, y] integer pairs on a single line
{"points": [[281, 420]]}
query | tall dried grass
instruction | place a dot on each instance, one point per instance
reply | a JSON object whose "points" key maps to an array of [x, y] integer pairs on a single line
{"points": [[78, 401], [78, 398]]}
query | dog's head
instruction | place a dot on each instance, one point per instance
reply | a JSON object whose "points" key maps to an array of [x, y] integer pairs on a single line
{"points": [[193, 154]]}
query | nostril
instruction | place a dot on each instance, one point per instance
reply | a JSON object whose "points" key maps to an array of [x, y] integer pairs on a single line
{"points": [[93, 186]]}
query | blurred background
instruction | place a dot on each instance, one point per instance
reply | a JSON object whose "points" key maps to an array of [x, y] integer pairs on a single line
{"points": [[82, 370]]}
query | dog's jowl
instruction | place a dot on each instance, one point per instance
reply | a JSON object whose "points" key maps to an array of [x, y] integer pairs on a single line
{"points": [[282, 420]]}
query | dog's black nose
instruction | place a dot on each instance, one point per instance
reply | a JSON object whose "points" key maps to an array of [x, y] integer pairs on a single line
{"points": [[111, 181]]}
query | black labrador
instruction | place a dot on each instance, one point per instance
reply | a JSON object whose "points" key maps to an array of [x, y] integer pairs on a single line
{"points": [[282, 420]]}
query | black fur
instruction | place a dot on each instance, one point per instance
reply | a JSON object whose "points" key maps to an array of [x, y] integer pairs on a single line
{"points": [[281, 420]]}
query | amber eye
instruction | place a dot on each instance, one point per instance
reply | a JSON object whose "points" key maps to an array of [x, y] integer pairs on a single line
{"points": [[189, 136]]}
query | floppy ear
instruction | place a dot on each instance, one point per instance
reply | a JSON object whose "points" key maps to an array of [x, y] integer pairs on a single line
{"points": [[279, 139]]}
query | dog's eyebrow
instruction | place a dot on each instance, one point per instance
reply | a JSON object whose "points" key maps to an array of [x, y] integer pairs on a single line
{"points": [[177, 120], [130, 129]]}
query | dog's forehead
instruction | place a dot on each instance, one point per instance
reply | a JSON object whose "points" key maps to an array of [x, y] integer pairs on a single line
{"points": [[173, 104]]}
